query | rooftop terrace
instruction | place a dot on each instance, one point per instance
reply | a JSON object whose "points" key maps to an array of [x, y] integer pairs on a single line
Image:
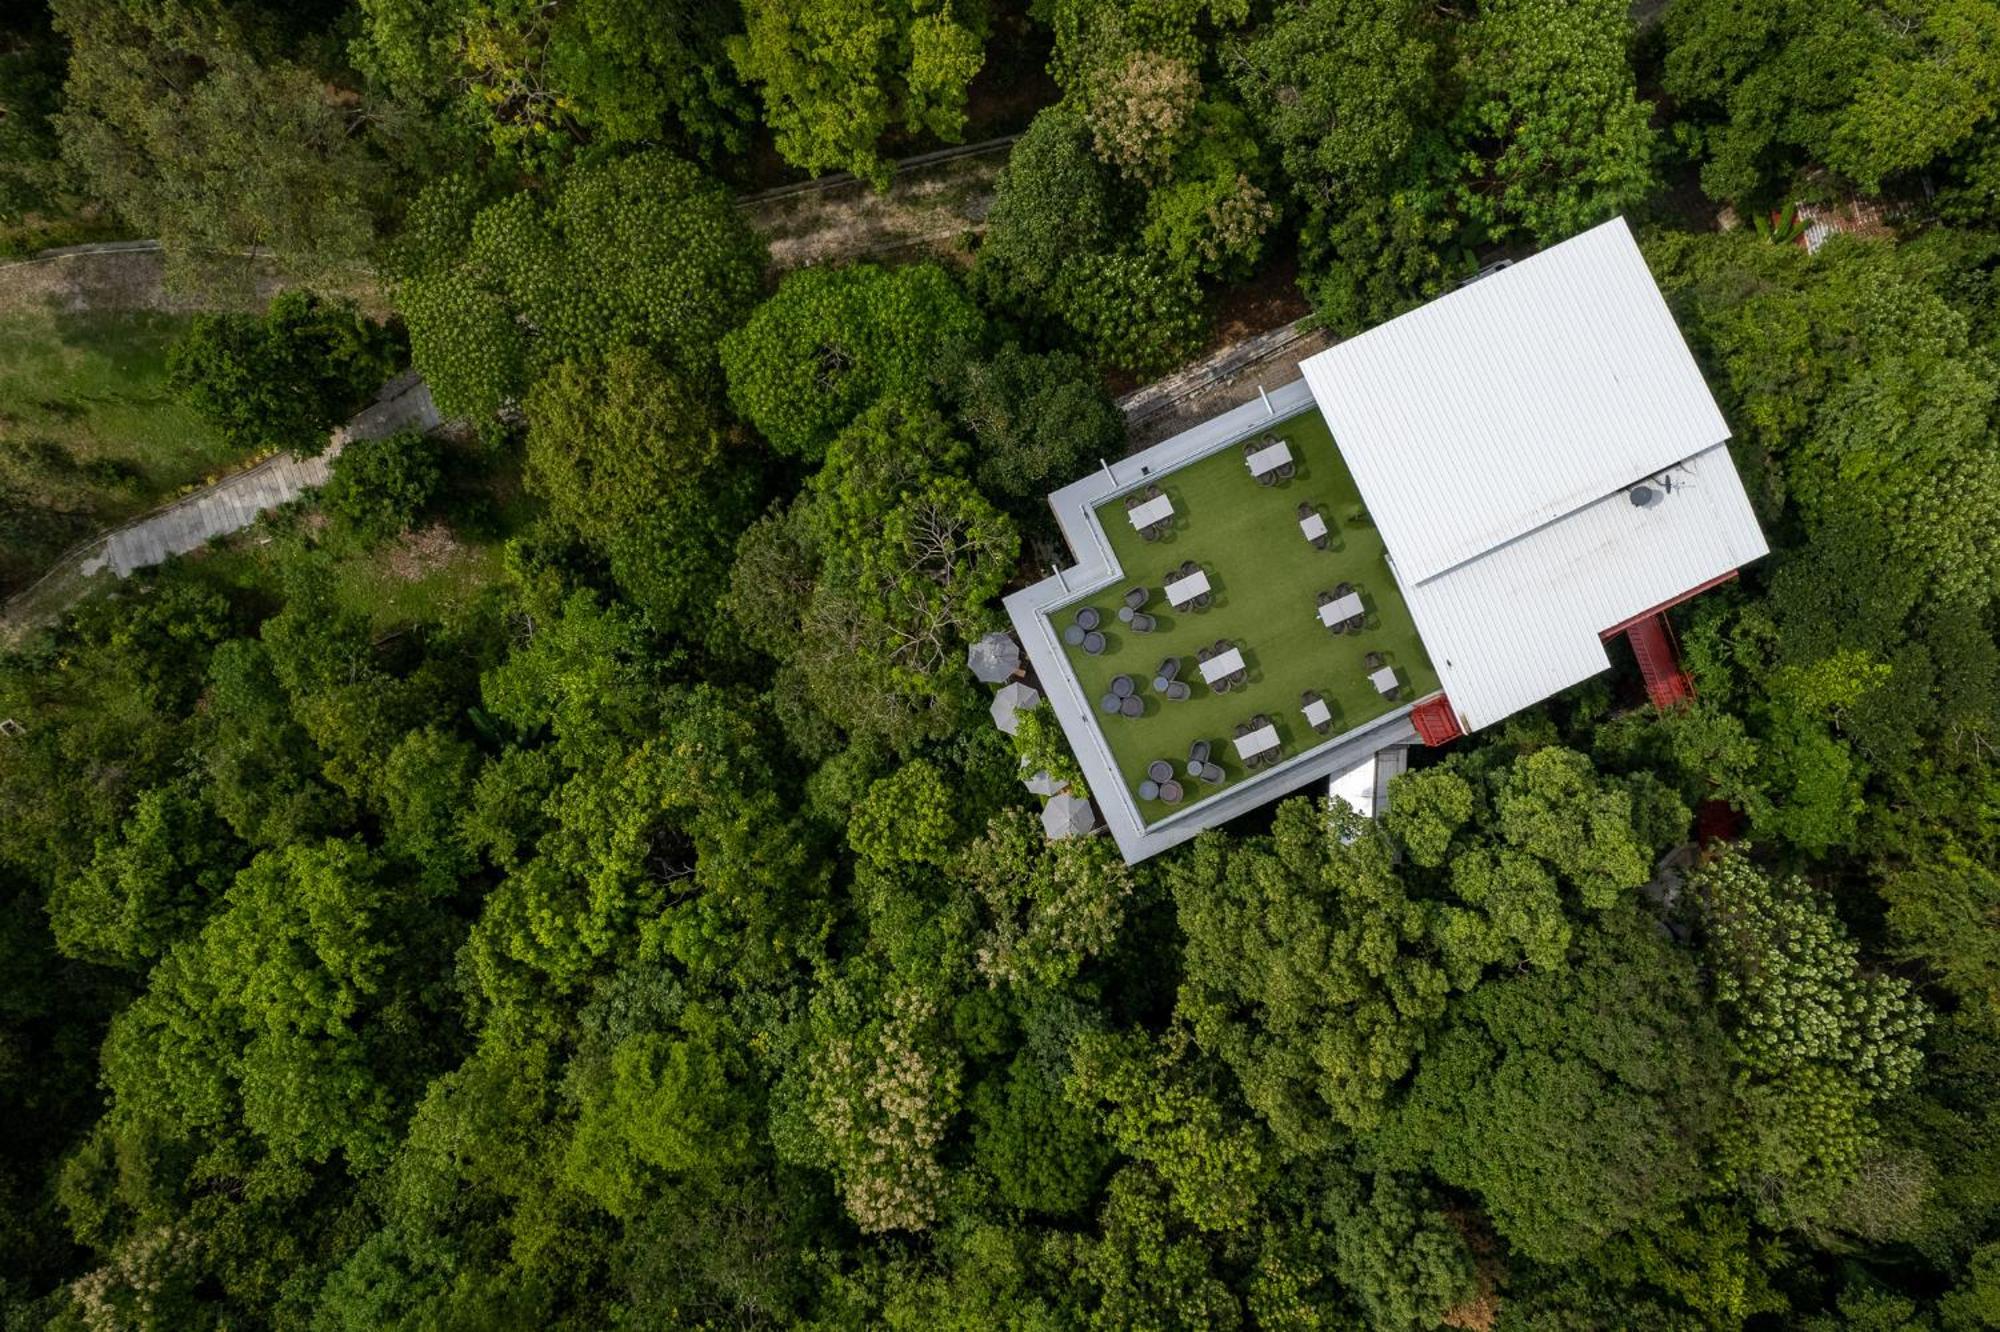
{"points": [[1265, 578]]}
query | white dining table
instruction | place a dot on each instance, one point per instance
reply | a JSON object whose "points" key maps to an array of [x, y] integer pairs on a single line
{"points": [[1384, 680], [1313, 525], [1152, 511], [1183, 590], [1339, 609], [1227, 663], [1317, 712], [1255, 743], [1270, 457]]}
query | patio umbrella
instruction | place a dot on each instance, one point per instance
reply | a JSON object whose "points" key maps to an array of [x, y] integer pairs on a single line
{"points": [[1068, 816], [1016, 697], [995, 657], [1042, 784]]}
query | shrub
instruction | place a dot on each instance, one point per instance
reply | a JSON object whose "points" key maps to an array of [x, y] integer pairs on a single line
{"points": [[379, 487], [287, 379]]}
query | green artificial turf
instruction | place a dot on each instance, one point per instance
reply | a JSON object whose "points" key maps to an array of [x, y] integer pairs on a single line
{"points": [[1266, 579]]}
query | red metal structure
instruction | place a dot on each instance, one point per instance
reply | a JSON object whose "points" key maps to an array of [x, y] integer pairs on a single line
{"points": [[1435, 720], [1653, 644]]}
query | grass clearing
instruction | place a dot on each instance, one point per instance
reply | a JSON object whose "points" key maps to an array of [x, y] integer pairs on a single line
{"points": [[1266, 578], [90, 435]]}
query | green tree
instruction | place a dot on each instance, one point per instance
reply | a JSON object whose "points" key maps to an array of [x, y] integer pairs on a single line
{"points": [[1044, 1153], [273, 1014], [1152, 1103], [869, 588], [1575, 1102], [1868, 88], [906, 818], [31, 79], [1551, 112], [679, 1102], [175, 117], [834, 340], [835, 78], [1049, 906], [631, 458], [148, 887], [1050, 202], [1035, 420], [642, 251], [540, 81], [1817, 1040], [424, 781], [285, 380], [1940, 912]]}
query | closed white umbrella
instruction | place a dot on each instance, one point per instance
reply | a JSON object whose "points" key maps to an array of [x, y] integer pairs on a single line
{"points": [[995, 657], [1042, 784], [1067, 816], [1016, 697]]}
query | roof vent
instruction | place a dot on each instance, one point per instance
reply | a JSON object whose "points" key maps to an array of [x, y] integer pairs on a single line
{"points": [[1644, 496]]}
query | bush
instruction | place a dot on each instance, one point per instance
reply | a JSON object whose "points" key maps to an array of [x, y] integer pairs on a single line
{"points": [[379, 487], [287, 379]]}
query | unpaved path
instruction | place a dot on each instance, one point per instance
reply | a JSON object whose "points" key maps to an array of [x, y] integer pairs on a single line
{"points": [[132, 275], [933, 201]]}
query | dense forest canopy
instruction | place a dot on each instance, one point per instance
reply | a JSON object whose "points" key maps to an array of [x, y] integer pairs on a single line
{"points": [[561, 873]]}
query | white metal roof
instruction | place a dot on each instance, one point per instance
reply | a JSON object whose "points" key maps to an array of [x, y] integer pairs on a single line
{"points": [[1495, 435], [1523, 622], [1511, 402]]}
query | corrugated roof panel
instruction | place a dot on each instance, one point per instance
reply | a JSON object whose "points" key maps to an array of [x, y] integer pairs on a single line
{"points": [[1511, 402], [1522, 622]]}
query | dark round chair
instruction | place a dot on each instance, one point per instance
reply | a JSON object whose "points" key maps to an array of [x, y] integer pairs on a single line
{"points": [[1178, 692], [1093, 643], [1131, 706], [1170, 669], [1089, 618], [1170, 792], [1143, 623], [1160, 770], [1210, 773], [1122, 685], [1198, 753]]}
